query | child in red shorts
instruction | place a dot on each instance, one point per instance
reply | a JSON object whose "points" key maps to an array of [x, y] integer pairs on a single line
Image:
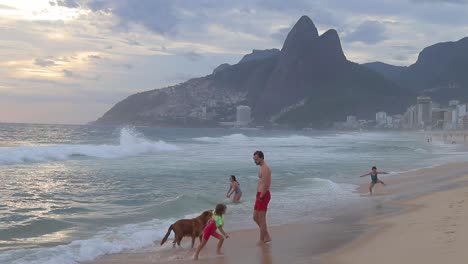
{"points": [[216, 222]]}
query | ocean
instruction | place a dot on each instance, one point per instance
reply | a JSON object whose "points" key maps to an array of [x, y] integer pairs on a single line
{"points": [[70, 194]]}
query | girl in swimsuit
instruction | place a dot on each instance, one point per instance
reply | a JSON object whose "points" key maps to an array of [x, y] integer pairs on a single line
{"points": [[374, 178], [215, 223], [234, 188]]}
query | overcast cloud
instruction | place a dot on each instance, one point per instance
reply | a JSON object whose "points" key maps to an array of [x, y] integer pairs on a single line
{"points": [[74, 59]]}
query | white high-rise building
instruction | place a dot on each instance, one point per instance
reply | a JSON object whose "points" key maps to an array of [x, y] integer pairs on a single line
{"points": [[389, 121], [453, 102], [351, 122], [410, 117], [351, 119], [243, 115], [454, 118], [461, 112], [424, 111], [461, 108], [448, 120], [381, 118]]}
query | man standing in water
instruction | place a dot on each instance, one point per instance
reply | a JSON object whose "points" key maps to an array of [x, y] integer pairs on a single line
{"points": [[263, 197]]}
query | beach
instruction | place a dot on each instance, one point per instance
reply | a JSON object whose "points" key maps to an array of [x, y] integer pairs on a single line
{"points": [[433, 230], [429, 228], [291, 244]]}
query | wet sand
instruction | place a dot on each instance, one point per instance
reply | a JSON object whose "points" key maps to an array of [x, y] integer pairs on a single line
{"points": [[300, 243]]}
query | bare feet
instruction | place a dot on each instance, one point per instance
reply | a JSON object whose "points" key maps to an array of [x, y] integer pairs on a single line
{"points": [[195, 257], [260, 243], [219, 253]]}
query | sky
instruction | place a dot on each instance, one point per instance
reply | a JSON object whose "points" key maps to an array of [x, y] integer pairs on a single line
{"points": [[69, 61]]}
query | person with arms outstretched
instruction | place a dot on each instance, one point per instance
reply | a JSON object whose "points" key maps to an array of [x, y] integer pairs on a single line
{"points": [[374, 178]]}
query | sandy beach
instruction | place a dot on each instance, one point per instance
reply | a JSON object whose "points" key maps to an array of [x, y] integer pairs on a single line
{"points": [[433, 230], [430, 228]]}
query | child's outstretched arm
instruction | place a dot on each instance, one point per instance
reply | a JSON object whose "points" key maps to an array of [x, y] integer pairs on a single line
{"points": [[230, 188], [222, 232], [365, 174]]}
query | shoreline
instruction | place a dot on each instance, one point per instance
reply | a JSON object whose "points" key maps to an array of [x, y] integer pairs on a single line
{"points": [[314, 241], [431, 229]]}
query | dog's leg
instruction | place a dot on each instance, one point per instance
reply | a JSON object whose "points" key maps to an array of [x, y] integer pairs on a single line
{"points": [[193, 239], [178, 239]]}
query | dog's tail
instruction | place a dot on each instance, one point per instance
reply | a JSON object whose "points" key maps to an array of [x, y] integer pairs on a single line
{"points": [[167, 235]]}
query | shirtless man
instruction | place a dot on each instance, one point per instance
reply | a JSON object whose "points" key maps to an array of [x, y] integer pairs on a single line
{"points": [[263, 197]]}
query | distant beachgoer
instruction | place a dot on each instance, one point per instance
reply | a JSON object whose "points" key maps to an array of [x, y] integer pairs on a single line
{"points": [[263, 197], [216, 222], [374, 178], [234, 188]]}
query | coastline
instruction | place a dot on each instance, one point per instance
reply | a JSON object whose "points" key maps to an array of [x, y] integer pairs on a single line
{"points": [[323, 242], [432, 229]]}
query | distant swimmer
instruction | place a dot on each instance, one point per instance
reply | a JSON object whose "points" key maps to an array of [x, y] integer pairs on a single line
{"points": [[234, 188], [374, 178]]}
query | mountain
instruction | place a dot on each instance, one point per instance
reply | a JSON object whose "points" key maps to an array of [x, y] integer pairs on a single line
{"points": [[221, 67], [259, 55], [390, 72], [441, 71], [309, 82]]}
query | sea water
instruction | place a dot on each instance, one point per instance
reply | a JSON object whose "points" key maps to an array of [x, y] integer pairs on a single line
{"points": [[73, 193]]}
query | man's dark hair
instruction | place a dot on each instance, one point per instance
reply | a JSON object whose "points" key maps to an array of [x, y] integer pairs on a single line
{"points": [[259, 154], [374, 168]]}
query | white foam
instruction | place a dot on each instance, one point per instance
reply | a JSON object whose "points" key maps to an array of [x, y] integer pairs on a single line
{"points": [[109, 241], [309, 198], [131, 144], [241, 139]]}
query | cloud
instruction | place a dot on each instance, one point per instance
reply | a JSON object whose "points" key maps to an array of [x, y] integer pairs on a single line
{"points": [[133, 42], [400, 57], [156, 15], [75, 75], [282, 5], [67, 3], [6, 7], [280, 34], [369, 32], [131, 46], [193, 56], [180, 77], [44, 62], [67, 73], [441, 1], [95, 57]]}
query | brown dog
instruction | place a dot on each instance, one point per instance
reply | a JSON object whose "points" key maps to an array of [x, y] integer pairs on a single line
{"points": [[188, 227]]}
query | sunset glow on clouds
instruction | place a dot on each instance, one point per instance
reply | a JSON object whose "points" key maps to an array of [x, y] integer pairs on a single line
{"points": [[68, 61]]}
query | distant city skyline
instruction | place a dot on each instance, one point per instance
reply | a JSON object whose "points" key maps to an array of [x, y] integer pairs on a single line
{"points": [[68, 61]]}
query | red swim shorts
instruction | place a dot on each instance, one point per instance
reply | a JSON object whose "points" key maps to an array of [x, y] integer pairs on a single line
{"points": [[210, 230], [263, 204]]}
